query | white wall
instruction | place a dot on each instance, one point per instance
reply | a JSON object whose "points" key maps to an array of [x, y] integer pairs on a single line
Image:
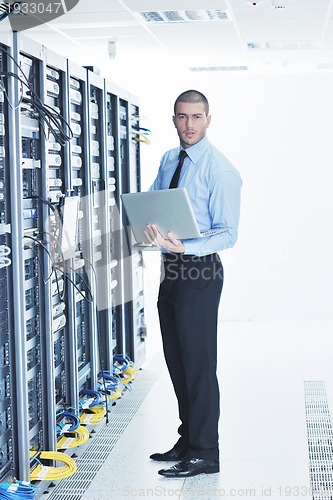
{"points": [[278, 131]]}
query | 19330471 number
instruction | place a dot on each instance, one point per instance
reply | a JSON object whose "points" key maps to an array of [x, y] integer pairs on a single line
{"points": [[50, 8]]}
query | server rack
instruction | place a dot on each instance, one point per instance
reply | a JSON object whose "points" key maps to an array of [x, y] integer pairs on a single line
{"points": [[114, 229], [122, 176], [128, 179], [6, 328], [99, 242], [63, 318], [36, 334], [136, 341], [84, 332]]}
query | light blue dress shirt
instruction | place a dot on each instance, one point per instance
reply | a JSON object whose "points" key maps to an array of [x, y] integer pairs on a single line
{"points": [[213, 185]]}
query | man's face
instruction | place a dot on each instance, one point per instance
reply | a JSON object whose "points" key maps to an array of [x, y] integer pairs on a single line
{"points": [[191, 122]]}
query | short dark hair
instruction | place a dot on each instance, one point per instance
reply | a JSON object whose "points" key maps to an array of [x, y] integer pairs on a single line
{"points": [[192, 96]]}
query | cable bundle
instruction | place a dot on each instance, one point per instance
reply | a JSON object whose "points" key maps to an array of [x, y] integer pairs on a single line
{"points": [[107, 393], [140, 137], [45, 472], [94, 398], [56, 256], [93, 415], [67, 422], [18, 490], [79, 437], [129, 374], [114, 394], [120, 363], [113, 381], [139, 134], [123, 366], [54, 121]]}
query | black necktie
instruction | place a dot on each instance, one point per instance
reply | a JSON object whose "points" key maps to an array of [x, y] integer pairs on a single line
{"points": [[175, 177]]}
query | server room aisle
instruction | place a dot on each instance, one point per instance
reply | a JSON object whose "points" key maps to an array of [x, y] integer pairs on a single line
{"points": [[267, 371]]}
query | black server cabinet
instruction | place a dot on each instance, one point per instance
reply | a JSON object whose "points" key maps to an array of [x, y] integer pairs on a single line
{"points": [[99, 230], [6, 333], [124, 314], [57, 188], [136, 342], [129, 313], [114, 229], [86, 361], [65, 134], [37, 332]]}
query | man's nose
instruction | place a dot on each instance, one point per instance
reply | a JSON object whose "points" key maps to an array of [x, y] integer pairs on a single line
{"points": [[189, 121]]}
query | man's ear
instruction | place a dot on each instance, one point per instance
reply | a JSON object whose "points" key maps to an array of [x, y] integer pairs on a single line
{"points": [[174, 120]]}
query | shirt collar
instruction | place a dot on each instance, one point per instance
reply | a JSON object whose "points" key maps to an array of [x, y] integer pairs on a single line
{"points": [[197, 150]]}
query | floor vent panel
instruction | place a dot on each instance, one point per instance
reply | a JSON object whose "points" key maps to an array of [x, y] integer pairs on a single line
{"points": [[320, 439], [103, 441]]}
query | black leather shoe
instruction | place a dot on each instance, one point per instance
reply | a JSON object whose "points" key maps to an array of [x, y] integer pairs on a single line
{"points": [[191, 467], [172, 455]]}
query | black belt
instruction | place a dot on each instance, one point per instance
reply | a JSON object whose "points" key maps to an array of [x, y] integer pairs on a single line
{"points": [[182, 257]]}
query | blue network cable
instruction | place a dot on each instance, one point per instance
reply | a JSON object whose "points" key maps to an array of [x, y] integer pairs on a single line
{"points": [[20, 490], [113, 381], [97, 397], [121, 363], [69, 417]]}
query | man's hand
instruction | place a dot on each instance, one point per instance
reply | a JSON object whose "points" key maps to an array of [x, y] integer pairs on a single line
{"points": [[155, 238]]}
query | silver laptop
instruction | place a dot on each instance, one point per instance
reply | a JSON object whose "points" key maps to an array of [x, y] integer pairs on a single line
{"points": [[169, 209]]}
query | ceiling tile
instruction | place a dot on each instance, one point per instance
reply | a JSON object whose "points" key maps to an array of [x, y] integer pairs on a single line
{"points": [[303, 23], [301, 4], [80, 20], [98, 6], [286, 30], [313, 13]]}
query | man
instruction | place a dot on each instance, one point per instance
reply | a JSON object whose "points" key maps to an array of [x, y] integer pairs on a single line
{"points": [[190, 291]]}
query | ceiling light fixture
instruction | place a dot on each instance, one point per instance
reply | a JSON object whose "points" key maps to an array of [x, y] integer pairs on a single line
{"points": [[184, 16]]}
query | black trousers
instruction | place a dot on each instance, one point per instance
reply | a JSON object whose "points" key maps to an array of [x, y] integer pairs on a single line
{"points": [[188, 301]]}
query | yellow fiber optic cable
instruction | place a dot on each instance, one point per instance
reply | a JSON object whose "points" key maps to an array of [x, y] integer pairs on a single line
{"points": [[93, 415], [142, 137], [45, 472], [113, 394], [82, 436], [130, 373], [116, 394]]}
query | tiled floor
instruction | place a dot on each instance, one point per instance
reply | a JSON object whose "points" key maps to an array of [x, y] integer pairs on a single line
{"points": [[263, 437]]}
